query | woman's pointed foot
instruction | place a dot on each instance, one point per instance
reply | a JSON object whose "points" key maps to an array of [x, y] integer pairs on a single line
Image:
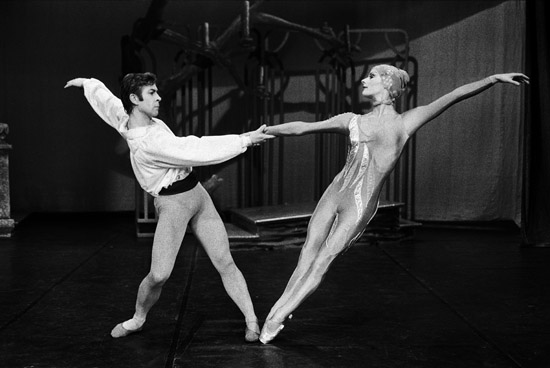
{"points": [[270, 330], [252, 331]]}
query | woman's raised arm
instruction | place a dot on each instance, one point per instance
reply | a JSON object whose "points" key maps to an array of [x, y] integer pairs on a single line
{"points": [[417, 117]]}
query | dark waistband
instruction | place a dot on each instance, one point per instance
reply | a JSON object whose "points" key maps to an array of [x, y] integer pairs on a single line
{"points": [[181, 186]]}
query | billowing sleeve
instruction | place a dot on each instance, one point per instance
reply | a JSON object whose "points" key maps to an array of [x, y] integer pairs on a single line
{"points": [[169, 151], [104, 103]]}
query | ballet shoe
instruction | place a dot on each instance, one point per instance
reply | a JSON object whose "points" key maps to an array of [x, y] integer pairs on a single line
{"points": [[267, 336], [252, 335], [120, 331]]}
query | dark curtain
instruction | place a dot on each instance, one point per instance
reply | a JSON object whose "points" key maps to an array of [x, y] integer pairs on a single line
{"points": [[536, 195]]}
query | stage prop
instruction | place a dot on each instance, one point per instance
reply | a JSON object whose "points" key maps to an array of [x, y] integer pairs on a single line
{"points": [[249, 51], [6, 223]]}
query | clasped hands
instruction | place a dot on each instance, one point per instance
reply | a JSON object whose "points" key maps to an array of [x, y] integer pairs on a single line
{"points": [[259, 135]]}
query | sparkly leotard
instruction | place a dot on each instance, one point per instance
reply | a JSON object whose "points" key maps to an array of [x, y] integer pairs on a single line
{"points": [[375, 144]]}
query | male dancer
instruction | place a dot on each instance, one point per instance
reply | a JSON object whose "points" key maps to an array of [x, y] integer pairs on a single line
{"points": [[162, 163]]}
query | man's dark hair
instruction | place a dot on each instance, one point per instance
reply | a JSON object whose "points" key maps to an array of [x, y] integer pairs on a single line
{"points": [[132, 83]]}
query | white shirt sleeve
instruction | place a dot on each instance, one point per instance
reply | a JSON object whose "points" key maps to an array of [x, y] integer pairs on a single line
{"points": [[166, 150], [104, 103]]}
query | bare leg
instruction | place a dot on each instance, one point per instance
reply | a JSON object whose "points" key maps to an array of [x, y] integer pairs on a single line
{"points": [[210, 231]]}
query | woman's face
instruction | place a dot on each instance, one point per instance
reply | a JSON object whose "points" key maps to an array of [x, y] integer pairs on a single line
{"points": [[372, 85]]}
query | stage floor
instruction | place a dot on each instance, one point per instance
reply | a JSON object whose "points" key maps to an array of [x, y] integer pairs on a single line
{"points": [[448, 298]]}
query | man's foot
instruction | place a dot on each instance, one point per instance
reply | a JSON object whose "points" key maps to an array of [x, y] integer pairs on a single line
{"points": [[252, 332], [126, 328]]}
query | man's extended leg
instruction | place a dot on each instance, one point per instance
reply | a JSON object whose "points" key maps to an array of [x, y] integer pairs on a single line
{"points": [[209, 229]]}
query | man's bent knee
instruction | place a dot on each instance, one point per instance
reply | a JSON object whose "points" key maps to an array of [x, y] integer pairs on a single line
{"points": [[157, 279]]}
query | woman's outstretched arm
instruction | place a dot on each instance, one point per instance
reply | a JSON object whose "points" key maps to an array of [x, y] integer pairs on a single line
{"points": [[336, 124], [417, 117]]}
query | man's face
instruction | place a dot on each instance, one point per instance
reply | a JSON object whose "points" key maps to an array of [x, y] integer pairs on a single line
{"points": [[149, 103]]}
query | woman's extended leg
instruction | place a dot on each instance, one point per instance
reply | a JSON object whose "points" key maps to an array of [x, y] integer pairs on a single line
{"points": [[317, 232], [210, 231], [341, 233]]}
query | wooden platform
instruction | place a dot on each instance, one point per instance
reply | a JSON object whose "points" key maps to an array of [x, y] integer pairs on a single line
{"points": [[286, 225], [281, 225]]}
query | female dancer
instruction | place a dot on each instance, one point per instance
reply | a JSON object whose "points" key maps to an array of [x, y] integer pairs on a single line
{"points": [[351, 200]]}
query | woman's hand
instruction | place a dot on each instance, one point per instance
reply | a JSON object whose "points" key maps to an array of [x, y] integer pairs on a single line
{"points": [[512, 78]]}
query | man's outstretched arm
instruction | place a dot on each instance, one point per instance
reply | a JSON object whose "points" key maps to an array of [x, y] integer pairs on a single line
{"points": [[105, 104]]}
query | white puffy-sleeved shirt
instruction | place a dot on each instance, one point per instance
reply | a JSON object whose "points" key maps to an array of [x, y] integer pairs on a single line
{"points": [[158, 156]]}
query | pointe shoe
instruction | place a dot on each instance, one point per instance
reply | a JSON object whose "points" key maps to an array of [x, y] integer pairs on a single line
{"points": [[120, 331], [252, 335], [266, 336]]}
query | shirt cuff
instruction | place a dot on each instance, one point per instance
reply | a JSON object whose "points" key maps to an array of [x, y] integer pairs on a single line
{"points": [[246, 141]]}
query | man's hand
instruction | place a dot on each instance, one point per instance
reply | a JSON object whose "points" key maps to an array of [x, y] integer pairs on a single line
{"points": [[77, 82], [258, 136]]}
